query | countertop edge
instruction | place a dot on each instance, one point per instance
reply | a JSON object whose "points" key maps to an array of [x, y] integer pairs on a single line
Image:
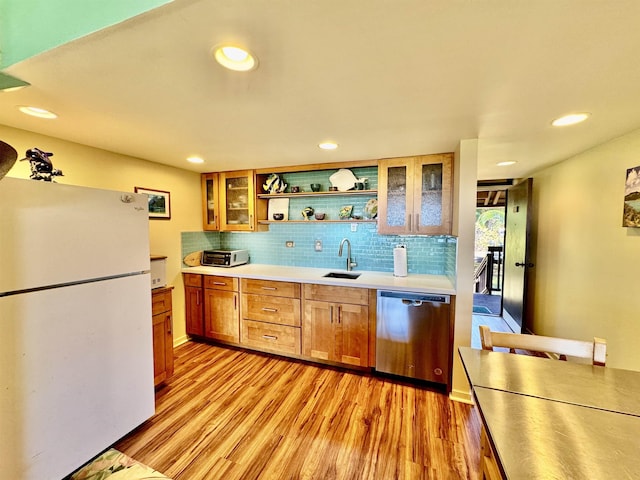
{"points": [[414, 283]]}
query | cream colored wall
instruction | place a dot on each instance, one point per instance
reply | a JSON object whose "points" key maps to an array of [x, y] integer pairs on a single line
{"points": [[464, 219], [92, 167], [587, 274]]}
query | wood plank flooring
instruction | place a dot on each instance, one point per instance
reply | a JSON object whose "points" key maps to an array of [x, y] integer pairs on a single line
{"points": [[231, 414]]}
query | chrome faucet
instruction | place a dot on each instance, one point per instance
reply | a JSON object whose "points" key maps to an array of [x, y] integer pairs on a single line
{"points": [[350, 261]]}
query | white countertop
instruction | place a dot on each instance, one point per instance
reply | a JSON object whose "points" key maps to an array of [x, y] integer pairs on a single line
{"points": [[417, 283]]}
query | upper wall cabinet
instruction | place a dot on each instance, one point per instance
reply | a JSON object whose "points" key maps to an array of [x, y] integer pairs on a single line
{"points": [[238, 201], [210, 202], [415, 195]]}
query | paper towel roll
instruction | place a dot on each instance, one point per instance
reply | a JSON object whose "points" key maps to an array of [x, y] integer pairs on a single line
{"points": [[400, 261]]}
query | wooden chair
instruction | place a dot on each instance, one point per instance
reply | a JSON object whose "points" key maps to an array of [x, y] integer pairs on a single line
{"points": [[595, 351]]}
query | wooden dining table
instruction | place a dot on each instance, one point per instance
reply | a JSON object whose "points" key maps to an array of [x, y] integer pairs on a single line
{"points": [[549, 419]]}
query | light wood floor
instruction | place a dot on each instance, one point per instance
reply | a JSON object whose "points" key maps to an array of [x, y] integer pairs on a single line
{"points": [[231, 414]]}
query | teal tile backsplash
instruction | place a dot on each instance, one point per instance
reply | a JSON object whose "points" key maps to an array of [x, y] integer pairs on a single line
{"points": [[430, 255], [425, 254]]}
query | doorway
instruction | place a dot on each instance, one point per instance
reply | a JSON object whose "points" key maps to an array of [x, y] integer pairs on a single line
{"points": [[490, 228]]}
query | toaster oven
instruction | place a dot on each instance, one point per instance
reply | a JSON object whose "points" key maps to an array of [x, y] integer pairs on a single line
{"points": [[224, 258]]}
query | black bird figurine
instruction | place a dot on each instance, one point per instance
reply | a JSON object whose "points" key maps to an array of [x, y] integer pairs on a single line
{"points": [[41, 166]]}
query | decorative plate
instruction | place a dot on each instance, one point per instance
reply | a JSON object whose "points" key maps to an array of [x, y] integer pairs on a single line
{"points": [[371, 208], [345, 212], [344, 179]]}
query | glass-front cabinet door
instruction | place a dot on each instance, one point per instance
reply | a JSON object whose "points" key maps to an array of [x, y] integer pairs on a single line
{"points": [[414, 195], [210, 205], [432, 194], [237, 200], [395, 198]]}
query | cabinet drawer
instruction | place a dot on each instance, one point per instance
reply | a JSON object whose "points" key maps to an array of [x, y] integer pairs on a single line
{"points": [[333, 293], [280, 310], [271, 287], [160, 302], [192, 279], [221, 283], [268, 336]]}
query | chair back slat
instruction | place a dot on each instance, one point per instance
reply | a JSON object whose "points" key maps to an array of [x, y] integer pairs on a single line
{"points": [[595, 351]]}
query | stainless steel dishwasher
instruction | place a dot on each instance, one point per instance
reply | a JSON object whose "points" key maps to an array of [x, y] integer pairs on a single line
{"points": [[414, 335]]}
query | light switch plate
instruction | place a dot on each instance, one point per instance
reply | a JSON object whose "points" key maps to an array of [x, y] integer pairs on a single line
{"points": [[289, 244], [318, 245]]}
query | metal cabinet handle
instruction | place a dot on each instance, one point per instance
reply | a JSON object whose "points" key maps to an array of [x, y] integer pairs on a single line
{"points": [[268, 288], [218, 283], [417, 223], [409, 222], [235, 302], [265, 309], [331, 313], [197, 297], [339, 313], [168, 322], [269, 337]]}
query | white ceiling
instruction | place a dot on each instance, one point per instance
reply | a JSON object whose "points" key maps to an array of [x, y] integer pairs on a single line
{"points": [[382, 78]]}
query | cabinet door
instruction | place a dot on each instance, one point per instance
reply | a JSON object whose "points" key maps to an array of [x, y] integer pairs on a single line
{"points": [[160, 348], [395, 197], [237, 197], [415, 195], [318, 330], [194, 301], [168, 344], [432, 194], [210, 204], [352, 334], [221, 315]]}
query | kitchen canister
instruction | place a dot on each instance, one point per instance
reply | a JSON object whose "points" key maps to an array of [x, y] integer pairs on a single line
{"points": [[400, 261]]}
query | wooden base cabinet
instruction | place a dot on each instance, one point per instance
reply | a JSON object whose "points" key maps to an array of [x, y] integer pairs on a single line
{"points": [[161, 309], [337, 330], [194, 302], [221, 308], [271, 316]]}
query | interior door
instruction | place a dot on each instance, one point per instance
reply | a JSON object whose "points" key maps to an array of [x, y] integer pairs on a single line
{"points": [[517, 259]]}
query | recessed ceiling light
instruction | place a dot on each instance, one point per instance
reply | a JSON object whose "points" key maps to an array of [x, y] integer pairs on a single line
{"points": [[195, 160], [328, 145], [506, 164], [570, 119], [235, 58], [37, 112]]}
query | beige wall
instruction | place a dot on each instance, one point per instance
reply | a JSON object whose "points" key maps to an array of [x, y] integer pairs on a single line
{"points": [[92, 167], [587, 275], [464, 219]]}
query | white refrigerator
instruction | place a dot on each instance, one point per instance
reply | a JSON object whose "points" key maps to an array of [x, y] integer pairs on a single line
{"points": [[76, 356]]}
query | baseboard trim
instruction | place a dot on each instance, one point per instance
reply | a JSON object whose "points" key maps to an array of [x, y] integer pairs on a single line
{"points": [[461, 396], [180, 340]]}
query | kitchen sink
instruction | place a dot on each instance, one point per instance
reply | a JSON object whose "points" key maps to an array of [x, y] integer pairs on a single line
{"points": [[350, 276]]}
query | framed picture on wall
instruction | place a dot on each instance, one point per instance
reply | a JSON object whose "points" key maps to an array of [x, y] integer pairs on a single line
{"points": [[631, 215], [159, 202]]}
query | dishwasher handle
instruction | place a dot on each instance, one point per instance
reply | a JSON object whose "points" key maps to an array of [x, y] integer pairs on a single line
{"points": [[413, 303]]}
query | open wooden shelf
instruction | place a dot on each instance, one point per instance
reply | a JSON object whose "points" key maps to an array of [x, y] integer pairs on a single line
{"points": [[317, 194], [349, 220]]}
